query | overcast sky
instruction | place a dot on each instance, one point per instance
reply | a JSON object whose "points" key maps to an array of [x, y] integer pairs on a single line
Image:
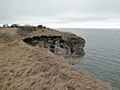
{"points": [[62, 13]]}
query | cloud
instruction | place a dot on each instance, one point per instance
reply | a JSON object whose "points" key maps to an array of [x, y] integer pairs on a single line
{"points": [[59, 11]]}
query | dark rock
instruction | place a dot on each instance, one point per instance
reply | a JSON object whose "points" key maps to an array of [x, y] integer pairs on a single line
{"points": [[15, 26], [61, 46], [52, 48], [76, 45], [57, 45], [40, 26], [44, 26]]}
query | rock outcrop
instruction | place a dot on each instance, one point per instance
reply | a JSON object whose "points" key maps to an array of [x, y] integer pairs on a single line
{"points": [[58, 45]]}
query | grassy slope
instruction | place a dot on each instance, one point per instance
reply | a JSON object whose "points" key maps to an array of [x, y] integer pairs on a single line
{"points": [[23, 67]]}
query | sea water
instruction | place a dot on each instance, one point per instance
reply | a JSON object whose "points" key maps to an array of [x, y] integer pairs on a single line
{"points": [[102, 58]]}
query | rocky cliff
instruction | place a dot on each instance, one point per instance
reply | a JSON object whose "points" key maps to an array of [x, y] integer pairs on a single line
{"points": [[60, 45]]}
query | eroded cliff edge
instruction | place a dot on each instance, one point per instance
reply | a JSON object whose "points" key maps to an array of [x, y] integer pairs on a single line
{"points": [[26, 67], [60, 45]]}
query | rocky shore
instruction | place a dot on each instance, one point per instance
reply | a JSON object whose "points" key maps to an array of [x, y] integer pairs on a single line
{"points": [[35, 61]]}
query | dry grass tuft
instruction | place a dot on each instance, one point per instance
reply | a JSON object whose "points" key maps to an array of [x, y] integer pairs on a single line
{"points": [[6, 37], [26, 30]]}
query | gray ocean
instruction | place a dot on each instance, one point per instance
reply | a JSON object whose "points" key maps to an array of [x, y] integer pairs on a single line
{"points": [[102, 58]]}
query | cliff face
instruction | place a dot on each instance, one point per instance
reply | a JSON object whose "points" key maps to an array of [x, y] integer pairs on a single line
{"points": [[77, 45], [59, 45]]}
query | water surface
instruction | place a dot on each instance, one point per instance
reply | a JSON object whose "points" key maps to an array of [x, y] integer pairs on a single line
{"points": [[102, 57]]}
